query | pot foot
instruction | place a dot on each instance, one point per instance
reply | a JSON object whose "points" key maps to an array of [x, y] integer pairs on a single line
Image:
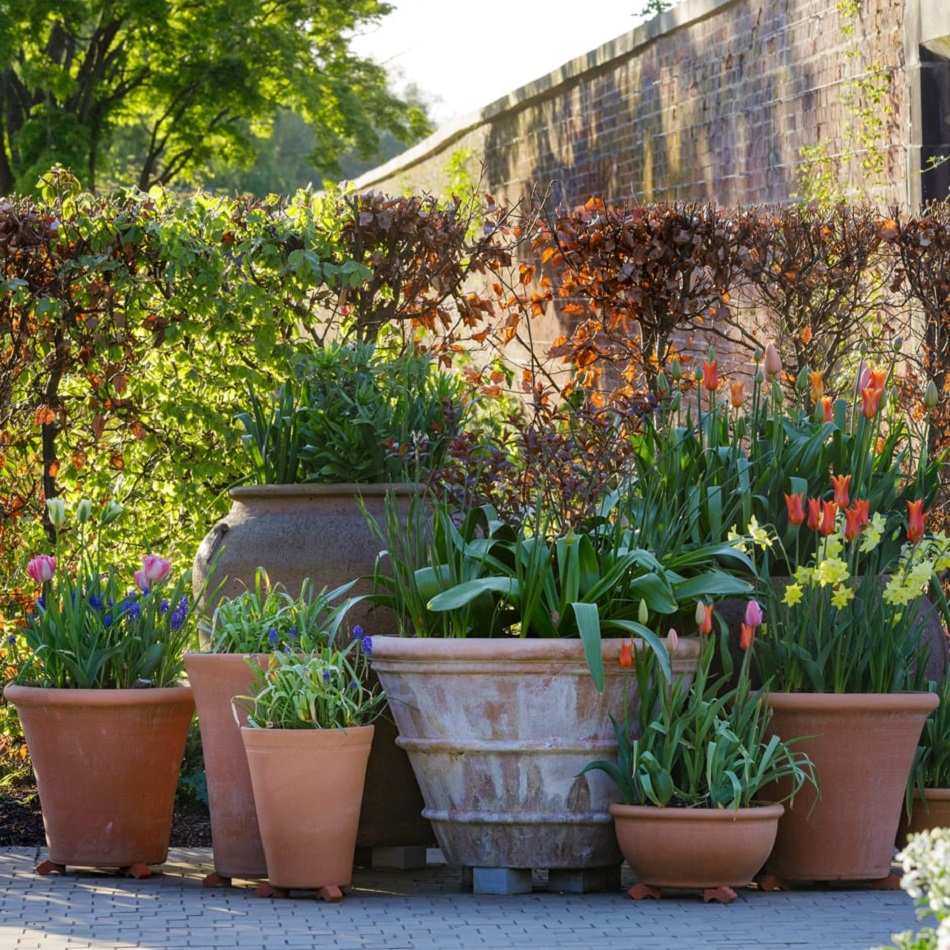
{"points": [[769, 882], [138, 871], [50, 867], [639, 891], [215, 880], [269, 890], [330, 893], [890, 883], [724, 895]]}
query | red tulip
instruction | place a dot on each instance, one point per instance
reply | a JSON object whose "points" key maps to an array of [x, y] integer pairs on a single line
{"points": [[841, 484], [704, 617], [827, 406], [711, 375], [814, 513], [915, 521], [795, 507], [829, 511], [853, 522], [626, 653]]}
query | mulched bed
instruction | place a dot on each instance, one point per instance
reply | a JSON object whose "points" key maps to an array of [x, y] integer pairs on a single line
{"points": [[21, 822]]}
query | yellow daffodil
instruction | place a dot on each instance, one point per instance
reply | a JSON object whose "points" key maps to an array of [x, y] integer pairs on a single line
{"points": [[759, 535], [793, 595], [831, 572], [842, 596]]}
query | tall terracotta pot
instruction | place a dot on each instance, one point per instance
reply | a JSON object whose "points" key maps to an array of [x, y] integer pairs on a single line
{"points": [[715, 849], [319, 532], [308, 784], [862, 746], [498, 731], [216, 678], [106, 764]]}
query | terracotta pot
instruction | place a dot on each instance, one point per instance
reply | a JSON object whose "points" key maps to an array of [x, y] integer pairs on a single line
{"points": [[696, 847], [216, 678], [862, 746], [106, 764], [497, 731], [307, 786], [319, 531], [925, 815]]}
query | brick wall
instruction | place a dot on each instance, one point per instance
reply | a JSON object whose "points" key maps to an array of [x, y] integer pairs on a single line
{"points": [[711, 101]]}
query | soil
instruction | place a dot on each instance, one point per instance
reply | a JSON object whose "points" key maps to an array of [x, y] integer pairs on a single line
{"points": [[21, 821]]}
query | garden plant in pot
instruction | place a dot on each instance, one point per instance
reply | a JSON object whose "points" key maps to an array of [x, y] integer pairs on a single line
{"points": [[693, 759], [243, 630], [353, 422], [307, 736], [844, 647], [927, 803], [506, 676], [100, 697]]}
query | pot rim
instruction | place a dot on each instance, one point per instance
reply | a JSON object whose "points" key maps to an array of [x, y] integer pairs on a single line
{"points": [[321, 489], [22, 695], [756, 810], [908, 699]]}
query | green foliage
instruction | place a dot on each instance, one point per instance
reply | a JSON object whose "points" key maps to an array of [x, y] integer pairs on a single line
{"points": [[146, 92], [353, 412], [328, 689], [699, 745], [266, 618], [931, 768]]}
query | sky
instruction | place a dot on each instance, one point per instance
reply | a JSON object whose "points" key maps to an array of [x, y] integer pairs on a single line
{"points": [[465, 54]]}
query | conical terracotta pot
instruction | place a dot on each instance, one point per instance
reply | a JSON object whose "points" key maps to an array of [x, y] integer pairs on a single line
{"points": [[319, 532], [925, 815], [498, 731], [696, 847], [308, 784], [106, 763], [216, 678], [862, 745]]}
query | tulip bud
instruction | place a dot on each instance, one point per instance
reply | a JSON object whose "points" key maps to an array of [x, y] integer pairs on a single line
{"points": [[111, 512], [898, 344], [84, 510], [662, 384], [773, 362], [56, 509], [643, 612], [931, 396], [676, 371], [672, 641]]}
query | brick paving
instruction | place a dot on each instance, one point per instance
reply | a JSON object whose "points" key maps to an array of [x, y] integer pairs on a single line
{"points": [[426, 909]]}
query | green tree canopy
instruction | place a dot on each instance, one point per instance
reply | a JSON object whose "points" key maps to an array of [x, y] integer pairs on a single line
{"points": [[147, 91]]}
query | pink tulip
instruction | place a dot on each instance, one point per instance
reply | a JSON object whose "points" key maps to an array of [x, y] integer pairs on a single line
{"points": [[41, 568], [773, 362], [140, 582], [155, 568], [753, 614]]}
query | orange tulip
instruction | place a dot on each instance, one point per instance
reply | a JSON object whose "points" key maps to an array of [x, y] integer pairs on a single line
{"points": [[877, 378], [827, 406], [871, 400], [704, 617], [711, 375], [855, 518], [795, 506], [814, 513], [841, 483], [737, 390], [747, 636], [915, 521], [829, 511], [806, 335], [817, 385], [626, 653]]}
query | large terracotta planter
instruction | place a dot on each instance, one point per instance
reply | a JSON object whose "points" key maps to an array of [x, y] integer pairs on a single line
{"points": [[862, 746], [714, 849], [925, 815], [216, 678], [498, 731], [319, 532], [307, 787], [106, 763]]}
